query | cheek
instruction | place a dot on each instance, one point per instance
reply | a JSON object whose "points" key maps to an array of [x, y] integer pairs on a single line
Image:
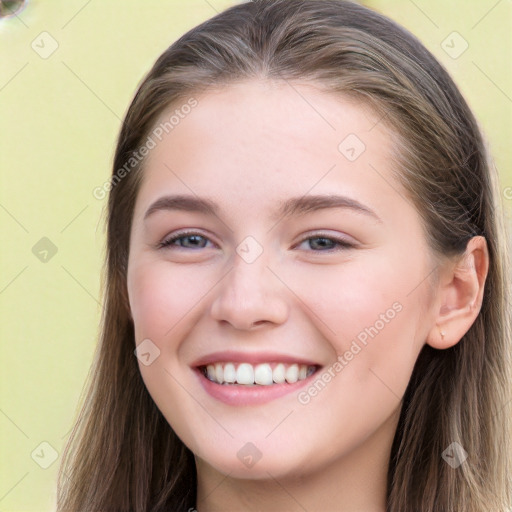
{"points": [[162, 300], [352, 296], [161, 297], [370, 317], [371, 311]]}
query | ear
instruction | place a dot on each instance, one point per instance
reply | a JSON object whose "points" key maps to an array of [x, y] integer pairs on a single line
{"points": [[460, 294]]}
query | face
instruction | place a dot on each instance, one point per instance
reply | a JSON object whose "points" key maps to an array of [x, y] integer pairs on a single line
{"points": [[292, 269]]}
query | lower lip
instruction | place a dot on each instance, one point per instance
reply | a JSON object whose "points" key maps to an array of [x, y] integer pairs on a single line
{"points": [[240, 394]]}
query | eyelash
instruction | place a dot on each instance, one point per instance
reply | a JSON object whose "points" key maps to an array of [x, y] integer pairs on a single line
{"points": [[341, 243]]}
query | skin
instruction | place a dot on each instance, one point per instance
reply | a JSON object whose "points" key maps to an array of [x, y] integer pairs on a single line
{"points": [[249, 147]]}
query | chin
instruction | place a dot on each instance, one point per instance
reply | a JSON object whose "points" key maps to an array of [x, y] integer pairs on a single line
{"points": [[248, 462]]}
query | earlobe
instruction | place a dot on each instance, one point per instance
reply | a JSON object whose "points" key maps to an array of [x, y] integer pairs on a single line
{"points": [[460, 295]]}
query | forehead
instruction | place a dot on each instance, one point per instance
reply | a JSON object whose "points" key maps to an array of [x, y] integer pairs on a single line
{"points": [[271, 112], [269, 138]]}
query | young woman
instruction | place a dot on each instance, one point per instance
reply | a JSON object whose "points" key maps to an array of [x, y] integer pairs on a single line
{"points": [[305, 304]]}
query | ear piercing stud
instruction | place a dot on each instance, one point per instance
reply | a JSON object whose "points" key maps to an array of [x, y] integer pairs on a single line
{"points": [[442, 334]]}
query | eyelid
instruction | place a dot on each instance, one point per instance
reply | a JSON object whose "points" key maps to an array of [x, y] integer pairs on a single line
{"points": [[167, 241], [337, 237], [342, 242]]}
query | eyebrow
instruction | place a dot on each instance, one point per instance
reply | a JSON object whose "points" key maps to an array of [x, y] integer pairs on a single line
{"points": [[293, 206]]}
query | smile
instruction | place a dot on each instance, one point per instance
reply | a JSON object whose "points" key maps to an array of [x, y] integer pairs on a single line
{"points": [[264, 374], [248, 379]]}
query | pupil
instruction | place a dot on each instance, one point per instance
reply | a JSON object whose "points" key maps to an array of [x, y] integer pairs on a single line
{"points": [[323, 241], [195, 239]]}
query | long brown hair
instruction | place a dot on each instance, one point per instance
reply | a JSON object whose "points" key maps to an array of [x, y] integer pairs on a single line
{"points": [[123, 455]]}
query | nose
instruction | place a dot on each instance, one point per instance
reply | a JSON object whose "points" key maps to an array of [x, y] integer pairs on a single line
{"points": [[250, 295]]}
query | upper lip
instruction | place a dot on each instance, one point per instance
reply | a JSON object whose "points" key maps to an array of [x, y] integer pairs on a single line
{"points": [[251, 358]]}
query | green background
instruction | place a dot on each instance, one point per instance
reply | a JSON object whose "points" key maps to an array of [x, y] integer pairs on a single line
{"points": [[59, 118]]}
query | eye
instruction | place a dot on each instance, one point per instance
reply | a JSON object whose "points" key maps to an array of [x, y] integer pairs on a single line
{"points": [[194, 240], [189, 240], [322, 243]]}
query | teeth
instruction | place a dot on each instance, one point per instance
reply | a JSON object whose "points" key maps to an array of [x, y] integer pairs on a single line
{"points": [[229, 373], [278, 375], [219, 372], [264, 374], [292, 374], [244, 374]]}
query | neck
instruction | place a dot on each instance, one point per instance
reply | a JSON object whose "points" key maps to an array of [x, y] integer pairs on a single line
{"points": [[355, 482]]}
